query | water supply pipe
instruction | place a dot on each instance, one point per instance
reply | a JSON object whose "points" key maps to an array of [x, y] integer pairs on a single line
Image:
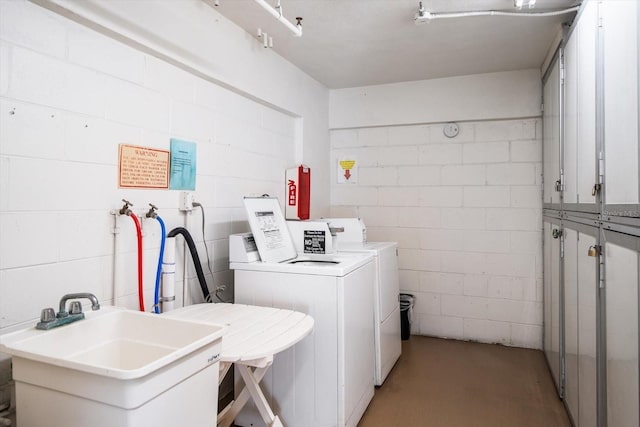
{"points": [[126, 211], [169, 275], [424, 16], [116, 251], [186, 290], [156, 298], [276, 12]]}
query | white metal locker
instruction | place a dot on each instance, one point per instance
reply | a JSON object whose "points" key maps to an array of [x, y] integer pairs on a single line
{"points": [[551, 134], [571, 393], [587, 29], [587, 289], [621, 267], [552, 300], [580, 388], [620, 23], [579, 142], [571, 107]]}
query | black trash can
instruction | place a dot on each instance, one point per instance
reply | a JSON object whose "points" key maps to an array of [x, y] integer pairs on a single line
{"points": [[406, 310]]}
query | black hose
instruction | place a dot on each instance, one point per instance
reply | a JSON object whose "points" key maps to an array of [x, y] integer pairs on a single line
{"points": [[195, 258]]}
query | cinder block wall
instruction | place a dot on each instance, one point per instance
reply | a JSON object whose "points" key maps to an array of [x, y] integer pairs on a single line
{"points": [[68, 97], [466, 212]]}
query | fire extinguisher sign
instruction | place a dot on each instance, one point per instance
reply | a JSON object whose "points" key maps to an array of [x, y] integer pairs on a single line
{"points": [[291, 193], [347, 171]]}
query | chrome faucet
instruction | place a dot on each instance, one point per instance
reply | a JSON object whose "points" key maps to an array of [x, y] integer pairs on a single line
{"points": [[62, 312], [49, 319]]}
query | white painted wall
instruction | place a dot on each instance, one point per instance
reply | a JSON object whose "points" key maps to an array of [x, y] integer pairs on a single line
{"points": [[509, 94], [69, 95], [466, 211]]}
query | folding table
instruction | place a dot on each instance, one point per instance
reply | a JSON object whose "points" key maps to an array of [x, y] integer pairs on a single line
{"points": [[254, 335]]}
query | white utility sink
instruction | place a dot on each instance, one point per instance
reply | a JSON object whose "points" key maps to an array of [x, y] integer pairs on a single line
{"points": [[123, 367]]}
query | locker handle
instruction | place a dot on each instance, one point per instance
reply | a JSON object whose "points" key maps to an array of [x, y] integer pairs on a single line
{"points": [[556, 233]]}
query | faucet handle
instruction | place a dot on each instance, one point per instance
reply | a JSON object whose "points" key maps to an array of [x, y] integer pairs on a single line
{"points": [[75, 307], [47, 315]]}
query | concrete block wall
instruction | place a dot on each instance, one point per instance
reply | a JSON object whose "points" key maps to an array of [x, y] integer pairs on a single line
{"points": [[68, 98], [466, 212]]}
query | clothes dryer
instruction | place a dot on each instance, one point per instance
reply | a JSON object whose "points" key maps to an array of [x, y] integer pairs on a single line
{"points": [[351, 237]]}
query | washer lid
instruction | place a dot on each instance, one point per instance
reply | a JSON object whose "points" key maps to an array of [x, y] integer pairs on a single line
{"points": [[316, 265], [269, 229]]}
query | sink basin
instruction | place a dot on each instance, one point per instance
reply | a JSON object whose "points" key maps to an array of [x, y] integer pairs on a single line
{"points": [[117, 367], [113, 342]]}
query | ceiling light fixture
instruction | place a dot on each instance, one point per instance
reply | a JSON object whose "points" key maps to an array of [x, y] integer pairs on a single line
{"points": [[424, 16]]}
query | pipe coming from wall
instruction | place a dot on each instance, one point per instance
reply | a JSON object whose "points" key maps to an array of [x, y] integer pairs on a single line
{"points": [[424, 16], [296, 29]]}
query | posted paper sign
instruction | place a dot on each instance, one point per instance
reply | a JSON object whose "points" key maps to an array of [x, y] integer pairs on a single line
{"points": [[142, 167], [269, 226], [183, 165], [314, 242], [347, 171]]}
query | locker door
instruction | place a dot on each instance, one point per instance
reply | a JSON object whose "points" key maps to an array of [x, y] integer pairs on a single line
{"points": [[621, 270], [586, 101], [587, 288], [571, 394], [552, 300], [620, 23], [579, 160], [570, 140], [551, 134]]}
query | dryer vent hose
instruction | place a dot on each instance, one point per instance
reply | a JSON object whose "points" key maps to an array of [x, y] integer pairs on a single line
{"points": [[195, 258]]}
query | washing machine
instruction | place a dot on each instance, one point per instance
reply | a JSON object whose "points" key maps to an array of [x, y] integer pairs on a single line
{"points": [[326, 379], [349, 235]]}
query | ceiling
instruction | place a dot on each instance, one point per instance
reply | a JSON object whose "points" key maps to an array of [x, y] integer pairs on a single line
{"points": [[350, 43]]}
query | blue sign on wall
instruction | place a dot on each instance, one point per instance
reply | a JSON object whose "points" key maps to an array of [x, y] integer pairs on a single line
{"points": [[183, 165]]}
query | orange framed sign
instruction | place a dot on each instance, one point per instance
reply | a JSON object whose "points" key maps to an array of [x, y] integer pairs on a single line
{"points": [[143, 167]]}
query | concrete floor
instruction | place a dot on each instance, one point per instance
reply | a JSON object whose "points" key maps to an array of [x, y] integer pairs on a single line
{"points": [[447, 383]]}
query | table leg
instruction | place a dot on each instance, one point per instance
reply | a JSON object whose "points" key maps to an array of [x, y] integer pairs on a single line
{"points": [[226, 417], [224, 369], [252, 384]]}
